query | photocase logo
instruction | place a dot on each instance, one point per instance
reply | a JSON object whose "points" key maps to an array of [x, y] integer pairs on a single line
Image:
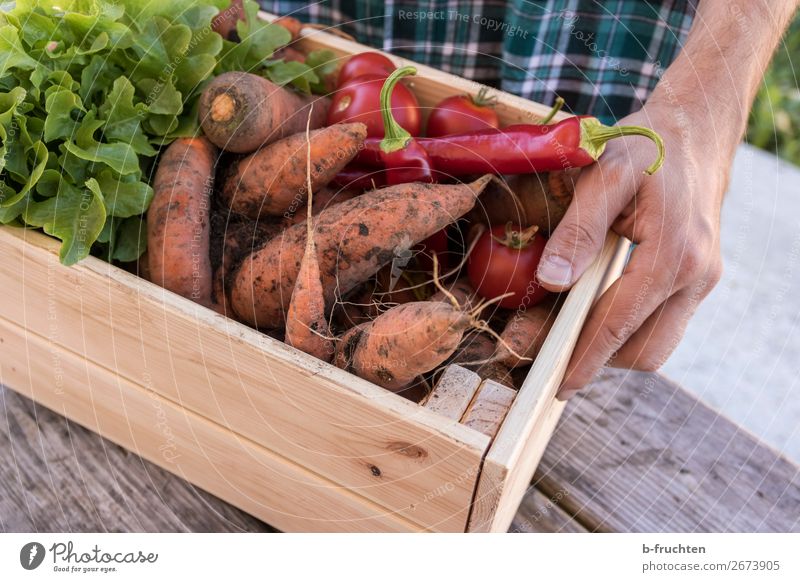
{"points": [[31, 555]]}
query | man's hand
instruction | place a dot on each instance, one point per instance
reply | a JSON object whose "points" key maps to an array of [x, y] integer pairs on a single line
{"points": [[700, 108], [672, 216]]}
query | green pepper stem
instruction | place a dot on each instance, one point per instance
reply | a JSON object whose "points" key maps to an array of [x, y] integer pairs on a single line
{"points": [[595, 136], [395, 137], [556, 108]]}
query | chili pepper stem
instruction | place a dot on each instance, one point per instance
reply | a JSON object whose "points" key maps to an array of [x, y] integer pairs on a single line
{"points": [[559, 103], [595, 136], [395, 137]]}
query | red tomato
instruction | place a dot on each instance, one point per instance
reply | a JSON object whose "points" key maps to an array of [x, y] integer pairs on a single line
{"points": [[365, 64], [359, 100], [462, 114], [496, 266]]}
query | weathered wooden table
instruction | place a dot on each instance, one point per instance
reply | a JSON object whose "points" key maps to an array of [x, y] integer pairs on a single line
{"points": [[635, 453]]}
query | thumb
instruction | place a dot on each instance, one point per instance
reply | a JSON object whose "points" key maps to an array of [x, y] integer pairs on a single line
{"points": [[578, 239]]}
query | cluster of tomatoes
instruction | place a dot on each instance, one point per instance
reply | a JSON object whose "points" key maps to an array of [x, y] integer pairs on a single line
{"points": [[502, 261]]}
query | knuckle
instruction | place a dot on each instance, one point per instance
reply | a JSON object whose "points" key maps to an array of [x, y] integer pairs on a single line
{"points": [[613, 335], [576, 237]]}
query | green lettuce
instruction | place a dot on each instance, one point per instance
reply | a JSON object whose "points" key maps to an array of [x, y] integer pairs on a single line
{"points": [[90, 90]]}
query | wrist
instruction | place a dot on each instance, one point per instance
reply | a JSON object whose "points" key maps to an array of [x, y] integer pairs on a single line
{"points": [[708, 130]]}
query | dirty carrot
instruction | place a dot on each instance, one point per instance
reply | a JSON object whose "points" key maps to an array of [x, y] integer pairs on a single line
{"points": [[306, 326], [323, 198], [240, 112], [354, 240], [406, 341], [272, 180], [475, 353], [238, 241], [528, 200], [178, 226], [525, 333]]}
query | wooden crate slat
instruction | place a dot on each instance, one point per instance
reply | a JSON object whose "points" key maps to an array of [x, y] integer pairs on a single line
{"points": [[518, 446], [453, 392], [235, 469], [376, 443], [489, 407]]}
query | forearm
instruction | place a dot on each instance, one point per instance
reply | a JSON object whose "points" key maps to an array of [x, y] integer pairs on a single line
{"points": [[721, 65]]}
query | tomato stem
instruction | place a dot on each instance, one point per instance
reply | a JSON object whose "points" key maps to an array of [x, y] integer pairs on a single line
{"points": [[483, 99], [395, 137], [517, 239]]}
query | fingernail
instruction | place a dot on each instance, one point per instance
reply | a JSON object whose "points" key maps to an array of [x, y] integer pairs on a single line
{"points": [[555, 270], [565, 395]]}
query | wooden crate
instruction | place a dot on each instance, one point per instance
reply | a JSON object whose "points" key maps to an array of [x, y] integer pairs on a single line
{"points": [[293, 441]]}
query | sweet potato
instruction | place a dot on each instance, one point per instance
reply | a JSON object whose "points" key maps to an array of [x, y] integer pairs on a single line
{"points": [[306, 326], [525, 333], [178, 224], [406, 341], [354, 239], [272, 180], [541, 200], [240, 112]]}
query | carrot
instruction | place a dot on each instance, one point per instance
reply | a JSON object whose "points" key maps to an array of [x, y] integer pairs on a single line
{"points": [[463, 292], [534, 199], [323, 198], [306, 326], [525, 333], [289, 55], [476, 353], [406, 341], [240, 112], [238, 241], [354, 238], [178, 223], [291, 24], [224, 23], [272, 180], [346, 345]]}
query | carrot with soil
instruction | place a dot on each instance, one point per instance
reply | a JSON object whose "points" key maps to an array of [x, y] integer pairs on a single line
{"points": [[178, 224], [306, 326], [272, 180], [240, 112], [354, 239], [406, 341], [525, 333]]}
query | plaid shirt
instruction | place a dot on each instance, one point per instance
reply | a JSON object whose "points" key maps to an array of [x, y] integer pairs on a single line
{"points": [[603, 58]]}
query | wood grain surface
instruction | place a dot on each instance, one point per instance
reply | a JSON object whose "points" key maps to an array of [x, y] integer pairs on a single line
{"points": [[636, 453]]}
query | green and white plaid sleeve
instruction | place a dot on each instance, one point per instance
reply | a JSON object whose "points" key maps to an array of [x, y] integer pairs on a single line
{"points": [[603, 58]]}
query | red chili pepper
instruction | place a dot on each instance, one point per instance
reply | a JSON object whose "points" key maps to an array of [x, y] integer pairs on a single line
{"points": [[360, 177], [574, 142], [402, 156]]}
